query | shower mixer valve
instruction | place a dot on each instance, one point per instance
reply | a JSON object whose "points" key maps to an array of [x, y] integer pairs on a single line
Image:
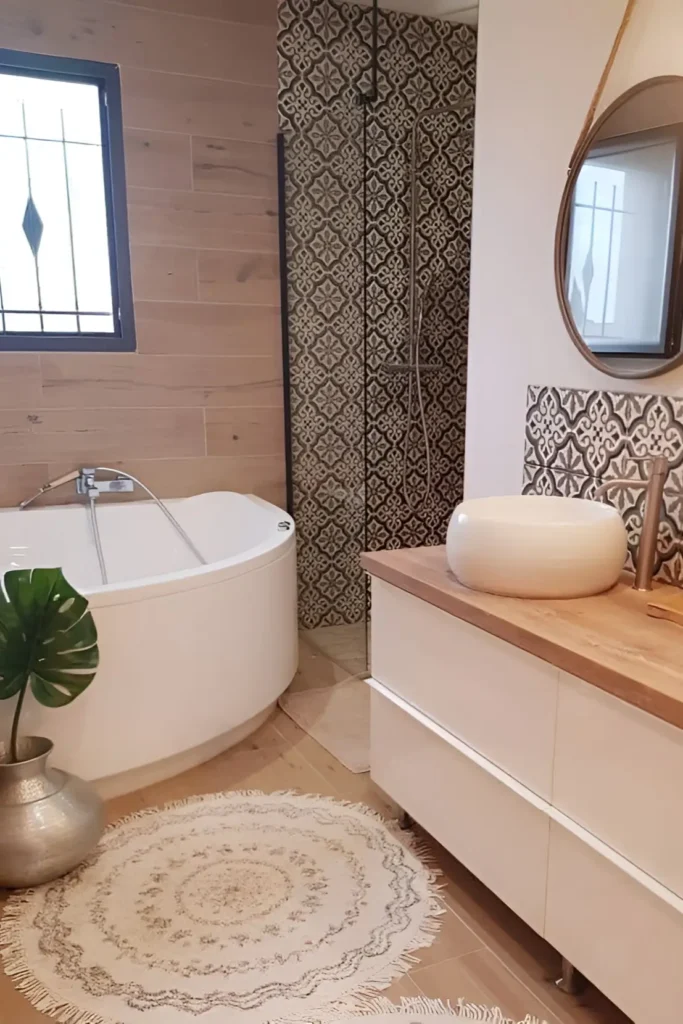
{"points": [[88, 484]]}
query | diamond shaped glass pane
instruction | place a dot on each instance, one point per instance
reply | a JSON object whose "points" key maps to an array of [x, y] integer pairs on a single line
{"points": [[33, 226], [57, 259]]}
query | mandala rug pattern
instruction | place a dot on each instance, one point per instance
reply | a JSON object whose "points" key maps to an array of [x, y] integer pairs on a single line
{"points": [[279, 907], [424, 1011]]}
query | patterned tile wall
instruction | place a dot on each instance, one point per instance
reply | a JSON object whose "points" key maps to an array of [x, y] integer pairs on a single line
{"points": [[576, 440], [347, 192]]}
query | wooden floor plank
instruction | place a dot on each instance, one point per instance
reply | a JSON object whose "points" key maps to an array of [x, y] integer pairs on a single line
{"points": [[483, 952]]}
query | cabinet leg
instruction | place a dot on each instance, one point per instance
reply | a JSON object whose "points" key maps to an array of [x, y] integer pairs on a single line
{"points": [[571, 981], [405, 822]]}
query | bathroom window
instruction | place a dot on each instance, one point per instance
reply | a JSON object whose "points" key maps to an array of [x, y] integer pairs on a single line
{"points": [[64, 258]]}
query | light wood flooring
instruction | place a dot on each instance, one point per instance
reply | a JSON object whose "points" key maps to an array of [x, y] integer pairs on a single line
{"points": [[345, 645], [483, 953]]}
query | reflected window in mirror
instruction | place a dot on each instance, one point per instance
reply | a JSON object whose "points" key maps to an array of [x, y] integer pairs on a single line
{"points": [[619, 243]]}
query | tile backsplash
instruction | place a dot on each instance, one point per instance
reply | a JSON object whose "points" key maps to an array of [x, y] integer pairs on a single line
{"points": [[577, 440]]}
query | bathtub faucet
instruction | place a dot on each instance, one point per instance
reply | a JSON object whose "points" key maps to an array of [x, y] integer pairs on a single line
{"points": [[91, 487], [86, 484]]}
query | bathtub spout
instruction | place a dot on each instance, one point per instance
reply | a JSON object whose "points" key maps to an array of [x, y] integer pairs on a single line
{"points": [[29, 501], [50, 485]]}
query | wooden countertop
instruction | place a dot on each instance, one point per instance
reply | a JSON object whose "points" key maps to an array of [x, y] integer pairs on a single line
{"points": [[608, 640]]}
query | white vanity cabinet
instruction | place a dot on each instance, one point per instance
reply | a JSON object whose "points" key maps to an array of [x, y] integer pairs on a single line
{"points": [[563, 799], [496, 698], [618, 771], [496, 833]]}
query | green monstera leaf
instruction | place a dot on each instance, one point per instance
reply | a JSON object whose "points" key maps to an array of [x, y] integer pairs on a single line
{"points": [[48, 640]]}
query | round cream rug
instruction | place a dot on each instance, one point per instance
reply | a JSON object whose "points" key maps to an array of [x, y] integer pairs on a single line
{"points": [[424, 1011], [275, 907]]}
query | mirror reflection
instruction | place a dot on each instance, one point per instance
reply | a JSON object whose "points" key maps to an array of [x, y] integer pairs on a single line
{"points": [[620, 234]]}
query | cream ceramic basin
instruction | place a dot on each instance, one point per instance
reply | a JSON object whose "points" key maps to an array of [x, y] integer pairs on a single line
{"points": [[536, 546]]}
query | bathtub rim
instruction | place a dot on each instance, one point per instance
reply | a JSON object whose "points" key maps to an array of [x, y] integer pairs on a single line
{"points": [[270, 550]]}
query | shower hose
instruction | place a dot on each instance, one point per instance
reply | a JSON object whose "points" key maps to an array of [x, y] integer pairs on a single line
{"points": [[160, 505]]}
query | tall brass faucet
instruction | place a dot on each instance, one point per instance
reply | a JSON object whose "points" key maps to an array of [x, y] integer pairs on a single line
{"points": [[654, 496]]}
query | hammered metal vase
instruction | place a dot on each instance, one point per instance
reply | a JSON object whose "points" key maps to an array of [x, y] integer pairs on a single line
{"points": [[49, 820]]}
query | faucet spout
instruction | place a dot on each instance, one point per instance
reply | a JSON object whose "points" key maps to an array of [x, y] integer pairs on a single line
{"points": [[49, 486], [647, 549], [654, 496]]}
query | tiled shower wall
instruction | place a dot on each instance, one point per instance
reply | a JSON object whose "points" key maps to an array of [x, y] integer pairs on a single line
{"points": [[347, 204], [577, 440]]}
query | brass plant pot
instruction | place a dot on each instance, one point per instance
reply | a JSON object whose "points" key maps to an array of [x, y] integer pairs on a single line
{"points": [[49, 820]]}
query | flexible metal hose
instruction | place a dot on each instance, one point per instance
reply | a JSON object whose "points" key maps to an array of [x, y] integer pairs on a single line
{"points": [[416, 310], [159, 503], [98, 540], [92, 511], [416, 375]]}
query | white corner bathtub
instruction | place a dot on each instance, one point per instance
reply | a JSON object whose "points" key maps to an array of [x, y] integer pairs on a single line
{"points": [[192, 657]]}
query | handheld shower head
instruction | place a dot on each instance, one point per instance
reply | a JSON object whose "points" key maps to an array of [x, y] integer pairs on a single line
{"points": [[422, 302]]}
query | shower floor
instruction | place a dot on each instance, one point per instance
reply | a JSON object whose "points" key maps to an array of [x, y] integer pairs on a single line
{"points": [[346, 645]]}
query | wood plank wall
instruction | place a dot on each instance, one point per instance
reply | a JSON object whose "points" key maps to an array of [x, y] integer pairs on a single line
{"points": [[199, 406]]}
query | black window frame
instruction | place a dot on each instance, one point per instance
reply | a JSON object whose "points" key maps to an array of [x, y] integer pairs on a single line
{"points": [[108, 80], [669, 342]]}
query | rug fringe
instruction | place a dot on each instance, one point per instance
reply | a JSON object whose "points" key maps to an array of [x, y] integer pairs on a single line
{"points": [[426, 1007], [486, 1015], [369, 812], [14, 958], [23, 979]]}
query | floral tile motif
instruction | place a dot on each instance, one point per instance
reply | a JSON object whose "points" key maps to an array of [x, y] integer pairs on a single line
{"points": [[577, 440], [543, 480], [347, 201]]}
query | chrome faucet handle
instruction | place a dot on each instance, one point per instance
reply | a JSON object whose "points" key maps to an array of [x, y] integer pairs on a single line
{"points": [[85, 484]]}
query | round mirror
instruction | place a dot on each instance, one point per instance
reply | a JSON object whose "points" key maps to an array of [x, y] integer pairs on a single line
{"points": [[619, 240]]}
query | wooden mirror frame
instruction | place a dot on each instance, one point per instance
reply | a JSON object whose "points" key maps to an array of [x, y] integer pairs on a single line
{"points": [[562, 238]]}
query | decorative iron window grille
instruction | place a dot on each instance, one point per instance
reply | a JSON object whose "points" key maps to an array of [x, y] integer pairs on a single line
{"points": [[624, 244], [64, 255]]}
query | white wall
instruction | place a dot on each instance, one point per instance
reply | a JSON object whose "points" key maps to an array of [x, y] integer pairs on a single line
{"points": [[539, 62]]}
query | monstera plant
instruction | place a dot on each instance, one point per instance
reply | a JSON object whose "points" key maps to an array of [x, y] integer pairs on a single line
{"points": [[48, 642]]}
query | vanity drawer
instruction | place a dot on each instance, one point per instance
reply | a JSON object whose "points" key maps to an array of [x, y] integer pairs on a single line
{"points": [[496, 698], [624, 938], [497, 834], [619, 774]]}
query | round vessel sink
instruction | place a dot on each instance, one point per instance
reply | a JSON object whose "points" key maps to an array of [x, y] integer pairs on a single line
{"points": [[536, 546]]}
